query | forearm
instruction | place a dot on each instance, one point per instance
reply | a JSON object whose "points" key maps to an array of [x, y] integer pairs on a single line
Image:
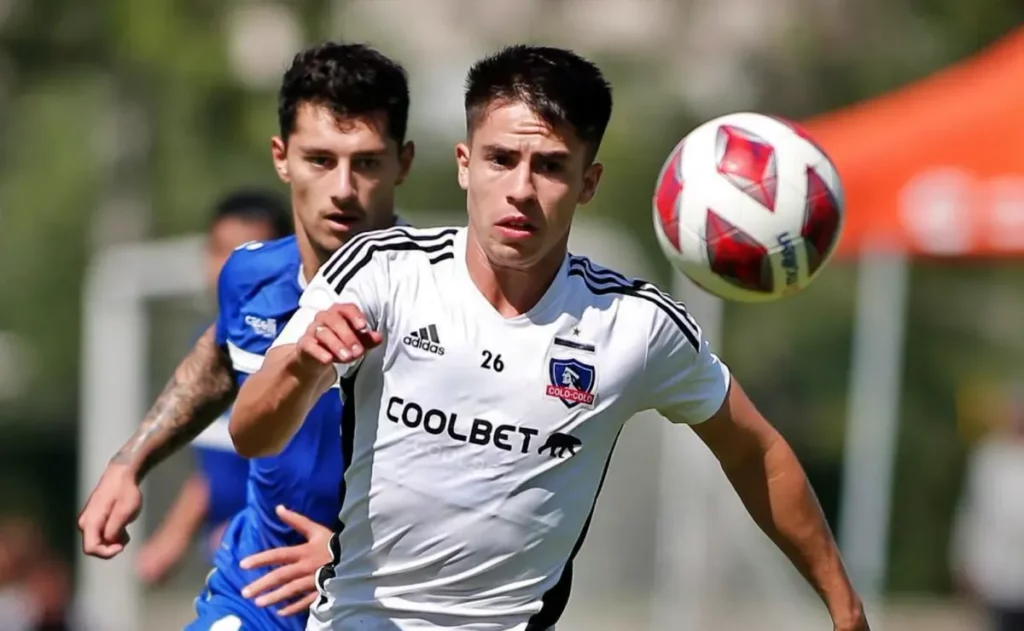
{"points": [[775, 490], [200, 390], [273, 402], [188, 512]]}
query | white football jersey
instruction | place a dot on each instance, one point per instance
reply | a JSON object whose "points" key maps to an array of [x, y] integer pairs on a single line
{"points": [[476, 444]]}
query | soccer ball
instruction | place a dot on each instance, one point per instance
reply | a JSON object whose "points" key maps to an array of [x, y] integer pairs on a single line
{"points": [[748, 207]]}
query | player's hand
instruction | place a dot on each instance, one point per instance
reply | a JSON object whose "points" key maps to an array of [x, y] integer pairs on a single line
{"points": [[113, 504], [159, 555], [339, 335], [294, 578]]}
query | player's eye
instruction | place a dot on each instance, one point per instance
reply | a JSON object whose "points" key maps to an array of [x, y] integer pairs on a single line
{"points": [[502, 160], [366, 164], [550, 166], [322, 162]]}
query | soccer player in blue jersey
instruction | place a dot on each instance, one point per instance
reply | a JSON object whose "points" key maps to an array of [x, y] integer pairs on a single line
{"points": [[216, 490], [343, 111]]}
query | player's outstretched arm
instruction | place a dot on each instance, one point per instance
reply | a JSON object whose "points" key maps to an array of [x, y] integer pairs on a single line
{"points": [[685, 381], [768, 478], [199, 391], [273, 402]]}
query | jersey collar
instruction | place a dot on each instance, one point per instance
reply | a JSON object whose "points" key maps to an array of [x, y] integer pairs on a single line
{"points": [[552, 299], [302, 275]]}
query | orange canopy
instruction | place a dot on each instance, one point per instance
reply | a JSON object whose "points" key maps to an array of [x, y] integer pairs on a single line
{"points": [[936, 168]]}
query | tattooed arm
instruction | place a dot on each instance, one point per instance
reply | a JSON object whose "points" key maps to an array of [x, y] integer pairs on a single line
{"points": [[200, 390]]}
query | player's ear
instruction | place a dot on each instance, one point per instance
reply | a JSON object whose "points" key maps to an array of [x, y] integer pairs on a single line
{"points": [[279, 152], [591, 178], [462, 162], [405, 156]]}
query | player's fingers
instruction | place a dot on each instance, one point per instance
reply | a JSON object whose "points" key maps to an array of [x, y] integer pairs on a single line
{"points": [[273, 579], [105, 550], [353, 316], [302, 585], [349, 345], [360, 326], [123, 513], [300, 523], [335, 337], [299, 606], [274, 556], [311, 347], [91, 524]]}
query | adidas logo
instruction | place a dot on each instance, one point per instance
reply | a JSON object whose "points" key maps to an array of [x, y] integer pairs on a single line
{"points": [[425, 339]]}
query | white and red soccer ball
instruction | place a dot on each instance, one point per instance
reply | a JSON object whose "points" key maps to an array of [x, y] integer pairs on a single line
{"points": [[748, 207]]}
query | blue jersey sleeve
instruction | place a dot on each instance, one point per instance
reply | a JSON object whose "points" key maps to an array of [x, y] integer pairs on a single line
{"points": [[229, 292]]}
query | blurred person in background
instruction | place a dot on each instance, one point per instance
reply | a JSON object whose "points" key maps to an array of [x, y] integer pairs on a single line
{"points": [[343, 112], [215, 491], [988, 539], [35, 586]]}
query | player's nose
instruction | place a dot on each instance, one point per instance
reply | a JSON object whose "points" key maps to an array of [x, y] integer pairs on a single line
{"points": [[521, 188], [344, 183]]}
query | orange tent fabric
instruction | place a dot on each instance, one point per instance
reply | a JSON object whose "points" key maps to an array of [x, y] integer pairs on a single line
{"points": [[936, 168]]}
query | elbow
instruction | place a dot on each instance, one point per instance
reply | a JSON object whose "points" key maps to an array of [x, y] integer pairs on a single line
{"points": [[248, 448], [249, 441]]}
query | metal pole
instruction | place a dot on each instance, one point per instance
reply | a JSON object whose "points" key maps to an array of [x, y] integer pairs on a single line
{"points": [[873, 422], [113, 382]]}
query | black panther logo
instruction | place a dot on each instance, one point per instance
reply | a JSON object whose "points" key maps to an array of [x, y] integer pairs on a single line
{"points": [[558, 444]]}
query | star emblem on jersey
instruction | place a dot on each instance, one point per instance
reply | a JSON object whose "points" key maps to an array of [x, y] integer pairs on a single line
{"points": [[426, 338], [572, 382]]}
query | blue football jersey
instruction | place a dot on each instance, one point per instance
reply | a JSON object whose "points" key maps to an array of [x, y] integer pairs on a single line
{"points": [[226, 473], [258, 292]]}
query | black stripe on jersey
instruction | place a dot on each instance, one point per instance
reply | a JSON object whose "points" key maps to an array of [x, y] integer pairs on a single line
{"points": [[442, 257], [554, 600], [376, 235], [644, 286], [605, 281], [348, 427], [359, 251]]}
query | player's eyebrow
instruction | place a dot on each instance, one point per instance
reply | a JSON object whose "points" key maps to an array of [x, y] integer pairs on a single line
{"points": [[556, 154], [318, 150], [499, 150]]}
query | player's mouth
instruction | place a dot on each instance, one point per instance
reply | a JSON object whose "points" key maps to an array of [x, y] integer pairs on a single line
{"points": [[516, 227], [340, 221]]}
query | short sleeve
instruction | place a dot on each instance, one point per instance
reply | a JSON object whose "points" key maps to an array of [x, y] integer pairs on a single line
{"points": [[227, 301], [356, 274], [685, 381]]}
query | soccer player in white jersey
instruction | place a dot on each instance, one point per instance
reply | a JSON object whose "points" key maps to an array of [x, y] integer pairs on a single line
{"points": [[487, 374]]}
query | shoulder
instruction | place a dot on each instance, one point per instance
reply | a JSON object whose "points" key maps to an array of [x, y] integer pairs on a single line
{"points": [[258, 262], [642, 300], [383, 247]]}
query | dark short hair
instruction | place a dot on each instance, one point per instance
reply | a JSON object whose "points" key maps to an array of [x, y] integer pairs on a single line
{"points": [[253, 205], [353, 80], [557, 84]]}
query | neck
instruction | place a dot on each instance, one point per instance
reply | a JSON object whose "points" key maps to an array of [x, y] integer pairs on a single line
{"points": [[310, 257], [512, 291]]}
